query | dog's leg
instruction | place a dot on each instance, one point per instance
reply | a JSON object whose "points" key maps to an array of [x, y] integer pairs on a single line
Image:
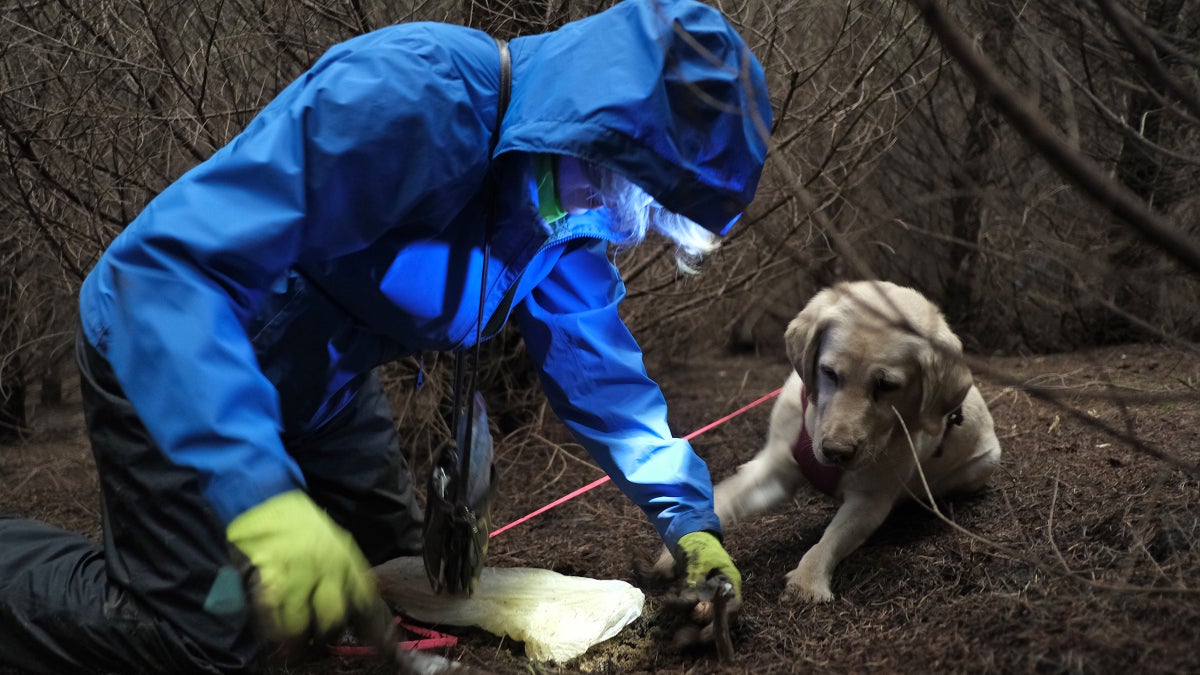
{"points": [[970, 477], [763, 482], [859, 516], [970, 452], [772, 476], [758, 486]]}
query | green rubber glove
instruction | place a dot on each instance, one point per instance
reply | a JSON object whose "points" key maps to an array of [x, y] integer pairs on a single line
{"points": [[312, 575], [702, 555]]}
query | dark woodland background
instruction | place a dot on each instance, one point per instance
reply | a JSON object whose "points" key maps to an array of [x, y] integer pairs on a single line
{"points": [[886, 161]]}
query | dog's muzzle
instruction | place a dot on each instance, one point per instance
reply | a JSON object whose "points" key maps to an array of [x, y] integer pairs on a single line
{"points": [[837, 453]]}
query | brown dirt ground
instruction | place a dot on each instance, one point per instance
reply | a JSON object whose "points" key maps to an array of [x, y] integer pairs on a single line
{"points": [[1082, 557]]}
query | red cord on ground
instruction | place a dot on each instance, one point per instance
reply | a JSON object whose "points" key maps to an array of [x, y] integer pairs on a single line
{"points": [[430, 639], [600, 481]]}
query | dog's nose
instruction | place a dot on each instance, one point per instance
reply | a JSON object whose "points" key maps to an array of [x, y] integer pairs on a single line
{"points": [[839, 452]]}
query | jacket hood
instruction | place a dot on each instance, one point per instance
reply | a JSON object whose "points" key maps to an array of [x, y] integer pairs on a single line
{"points": [[664, 92]]}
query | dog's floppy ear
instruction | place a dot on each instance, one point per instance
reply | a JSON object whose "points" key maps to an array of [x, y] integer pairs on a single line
{"points": [[945, 378], [802, 339]]}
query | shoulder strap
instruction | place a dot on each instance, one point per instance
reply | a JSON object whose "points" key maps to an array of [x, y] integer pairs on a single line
{"points": [[463, 415], [505, 90]]}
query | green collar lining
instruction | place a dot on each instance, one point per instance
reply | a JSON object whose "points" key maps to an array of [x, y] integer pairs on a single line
{"points": [[549, 208]]}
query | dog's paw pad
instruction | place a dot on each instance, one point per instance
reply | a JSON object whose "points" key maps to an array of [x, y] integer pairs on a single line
{"points": [[797, 594]]}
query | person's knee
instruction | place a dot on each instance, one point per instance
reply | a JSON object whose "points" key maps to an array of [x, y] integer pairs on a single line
{"points": [[60, 611]]}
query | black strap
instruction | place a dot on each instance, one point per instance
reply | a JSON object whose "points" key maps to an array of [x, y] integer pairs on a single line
{"points": [[505, 89], [460, 427]]}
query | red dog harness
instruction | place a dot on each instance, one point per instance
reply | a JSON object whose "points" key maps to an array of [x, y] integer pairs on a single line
{"points": [[822, 476]]}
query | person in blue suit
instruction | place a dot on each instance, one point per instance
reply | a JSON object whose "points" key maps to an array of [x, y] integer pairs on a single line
{"points": [[229, 333]]}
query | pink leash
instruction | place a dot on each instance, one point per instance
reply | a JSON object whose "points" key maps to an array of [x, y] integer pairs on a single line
{"points": [[601, 481], [432, 638]]}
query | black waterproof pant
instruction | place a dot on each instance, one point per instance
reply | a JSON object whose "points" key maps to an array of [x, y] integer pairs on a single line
{"points": [[134, 604]]}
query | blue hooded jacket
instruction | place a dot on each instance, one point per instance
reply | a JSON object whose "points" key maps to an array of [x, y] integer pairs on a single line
{"points": [[344, 227]]}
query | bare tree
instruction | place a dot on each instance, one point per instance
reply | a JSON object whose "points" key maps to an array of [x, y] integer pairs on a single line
{"points": [[886, 159]]}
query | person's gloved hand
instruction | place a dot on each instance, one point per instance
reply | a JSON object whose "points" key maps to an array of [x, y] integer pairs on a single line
{"points": [[702, 556], [704, 567], [312, 577]]}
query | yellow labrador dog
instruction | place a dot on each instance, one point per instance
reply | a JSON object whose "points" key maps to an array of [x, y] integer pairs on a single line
{"points": [[879, 386]]}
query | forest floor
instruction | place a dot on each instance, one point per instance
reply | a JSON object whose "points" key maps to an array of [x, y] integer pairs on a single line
{"points": [[1082, 556]]}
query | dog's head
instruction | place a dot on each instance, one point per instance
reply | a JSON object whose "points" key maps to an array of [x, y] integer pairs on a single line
{"points": [[865, 349]]}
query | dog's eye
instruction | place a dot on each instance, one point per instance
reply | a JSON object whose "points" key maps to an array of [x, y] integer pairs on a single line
{"points": [[883, 386], [830, 373]]}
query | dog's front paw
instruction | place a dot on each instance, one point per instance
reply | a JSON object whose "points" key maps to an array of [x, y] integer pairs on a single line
{"points": [[803, 588], [654, 571], [664, 567]]}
